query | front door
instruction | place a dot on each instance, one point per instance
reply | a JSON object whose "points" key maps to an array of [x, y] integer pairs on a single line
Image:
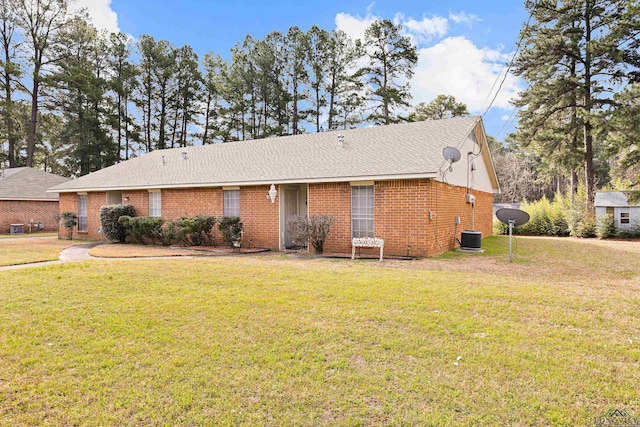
{"points": [[290, 209]]}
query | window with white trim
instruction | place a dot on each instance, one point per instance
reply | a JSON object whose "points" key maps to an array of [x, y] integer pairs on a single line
{"points": [[155, 204], [114, 197], [624, 217], [232, 203], [83, 225], [362, 211]]}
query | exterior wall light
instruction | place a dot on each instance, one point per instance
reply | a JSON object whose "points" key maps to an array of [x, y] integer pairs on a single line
{"points": [[271, 195]]}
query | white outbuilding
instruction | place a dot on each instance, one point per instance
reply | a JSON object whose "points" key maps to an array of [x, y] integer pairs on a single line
{"points": [[623, 206]]}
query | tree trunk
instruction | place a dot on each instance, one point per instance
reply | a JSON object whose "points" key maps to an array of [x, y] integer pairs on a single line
{"points": [[31, 137], [9, 105], [588, 136], [331, 102], [317, 108], [206, 120]]}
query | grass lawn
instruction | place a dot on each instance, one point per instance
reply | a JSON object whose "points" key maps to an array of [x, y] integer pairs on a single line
{"points": [[552, 339], [117, 250], [23, 251], [27, 235]]}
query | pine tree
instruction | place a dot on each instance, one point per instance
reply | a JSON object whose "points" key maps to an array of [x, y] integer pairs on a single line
{"points": [[10, 74], [40, 22], [574, 58], [442, 107], [392, 59]]}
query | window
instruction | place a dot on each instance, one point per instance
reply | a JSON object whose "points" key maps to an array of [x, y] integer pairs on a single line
{"points": [[82, 213], [610, 211], [232, 202], [362, 211], [624, 217], [114, 197], [155, 203]]}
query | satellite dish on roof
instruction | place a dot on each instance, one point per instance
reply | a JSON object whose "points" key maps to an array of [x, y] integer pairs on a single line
{"points": [[513, 218], [452, 155]]}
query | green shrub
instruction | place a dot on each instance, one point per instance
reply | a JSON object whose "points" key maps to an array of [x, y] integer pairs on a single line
{"points": [[632, 232], [197, 230], [586, 228], [191, 231], [606, 227], [143, 229], [581, 222], [69, 220], [545, 218], [558, 209], [109, 216], [500, 228], [231, 229]]}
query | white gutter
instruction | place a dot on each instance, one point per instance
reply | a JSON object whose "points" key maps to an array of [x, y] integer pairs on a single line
{"points": [[250, 183], [26, 199]]}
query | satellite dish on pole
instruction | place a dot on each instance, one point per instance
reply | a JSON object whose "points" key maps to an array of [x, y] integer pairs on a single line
{"points": [[452, 155], [513, 218]]}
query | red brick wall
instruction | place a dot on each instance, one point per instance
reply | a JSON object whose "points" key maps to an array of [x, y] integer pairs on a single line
{"points": [[446, 202], [69, 203], [401, 213], [21, 211], [259, 216], [139, 199], [333, 199]]}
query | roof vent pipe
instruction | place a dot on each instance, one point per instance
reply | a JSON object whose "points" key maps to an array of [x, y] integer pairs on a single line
{"points": [[163, 160], [340, 141], [184, 155]]}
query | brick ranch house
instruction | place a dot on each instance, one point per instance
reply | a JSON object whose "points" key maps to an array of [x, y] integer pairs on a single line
{"points": [[390, 182], [24, 197]]}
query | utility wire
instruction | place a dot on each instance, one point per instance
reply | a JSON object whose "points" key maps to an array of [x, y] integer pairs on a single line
{"points": [[507, 122], [513, 58]]}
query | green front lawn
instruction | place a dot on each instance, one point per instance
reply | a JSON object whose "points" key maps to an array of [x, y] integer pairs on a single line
{"points": [[24, 251], [552, 339]]}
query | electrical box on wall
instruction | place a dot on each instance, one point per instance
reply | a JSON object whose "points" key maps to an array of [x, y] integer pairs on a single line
{"points": [[457, 220], [471, 198], [430, 215]]}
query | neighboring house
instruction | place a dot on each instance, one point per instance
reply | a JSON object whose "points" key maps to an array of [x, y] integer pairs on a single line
{"points": [[620, 205], [24, 197], [390, 182]]}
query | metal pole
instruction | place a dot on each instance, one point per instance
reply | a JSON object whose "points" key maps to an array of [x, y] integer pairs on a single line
{"points": [[510, 242]]}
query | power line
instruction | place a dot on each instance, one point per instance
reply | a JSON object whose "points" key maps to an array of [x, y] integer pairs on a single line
{"points": [[513, 58], [507, 122]]}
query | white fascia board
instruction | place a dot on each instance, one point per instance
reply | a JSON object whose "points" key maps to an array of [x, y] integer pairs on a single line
{"points": [[425, 175], [26, 199]]}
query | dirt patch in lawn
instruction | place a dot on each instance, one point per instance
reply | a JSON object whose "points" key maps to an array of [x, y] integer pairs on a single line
{"points": [[119, 250]]}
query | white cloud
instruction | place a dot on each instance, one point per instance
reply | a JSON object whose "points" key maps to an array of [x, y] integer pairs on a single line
{"points": [[463, 17], [456, 66], [452, 66], [354, 26], [100, 13], [421, 31], [424, 30]]}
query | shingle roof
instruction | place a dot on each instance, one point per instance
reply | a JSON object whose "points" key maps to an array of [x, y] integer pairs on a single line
{"points": [[28, 184], [613, 199], [393, 151]]}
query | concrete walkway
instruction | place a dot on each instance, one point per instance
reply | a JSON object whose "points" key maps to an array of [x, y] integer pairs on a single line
{"points": [[78, 252], [81, 253], [71, 254]]}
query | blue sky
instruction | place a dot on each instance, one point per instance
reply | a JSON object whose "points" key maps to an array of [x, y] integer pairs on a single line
{"points": [[463, 45]]}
